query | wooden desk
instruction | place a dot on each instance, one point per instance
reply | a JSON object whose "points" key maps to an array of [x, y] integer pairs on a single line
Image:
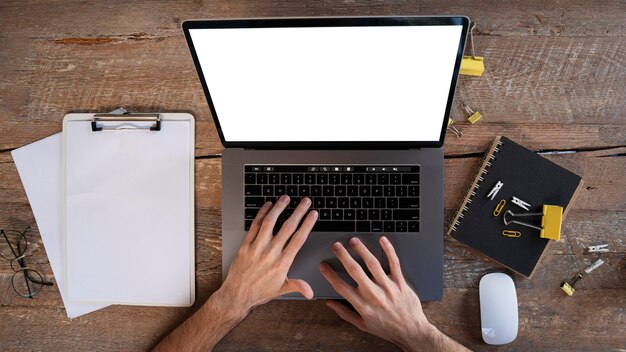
{"points": [[554, 80]]}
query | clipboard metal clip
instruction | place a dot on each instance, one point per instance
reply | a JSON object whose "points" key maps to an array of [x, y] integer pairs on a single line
{"points": [[125, 117]]}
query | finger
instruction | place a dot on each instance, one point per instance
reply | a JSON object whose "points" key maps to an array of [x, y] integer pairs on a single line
{"points": [[392, 257], [268, 223], [297, 285], [256, 223], [298, 239], [352, 267], [291, 224], [341, 287], [346, 314], [370, 260]]}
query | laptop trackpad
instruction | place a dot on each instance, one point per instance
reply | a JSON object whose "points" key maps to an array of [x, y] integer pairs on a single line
{"points": [[317, 249]]}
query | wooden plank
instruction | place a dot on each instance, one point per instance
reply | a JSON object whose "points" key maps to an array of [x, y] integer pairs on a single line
{"points": [[157, 18], [546, 318]]}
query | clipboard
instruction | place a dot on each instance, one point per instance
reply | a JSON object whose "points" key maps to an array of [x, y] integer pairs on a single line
{"points": [[128, 208]]}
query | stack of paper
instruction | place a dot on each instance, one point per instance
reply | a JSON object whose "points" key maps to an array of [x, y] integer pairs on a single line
{"points": [[115, 212]]}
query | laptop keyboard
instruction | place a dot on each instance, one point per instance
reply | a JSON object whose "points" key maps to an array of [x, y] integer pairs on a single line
{"points": [[349, 198]]}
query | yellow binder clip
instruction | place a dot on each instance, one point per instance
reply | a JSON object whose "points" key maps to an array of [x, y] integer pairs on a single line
{"points": [[551, 218], [472, 65], [453, 128], [474, 116]]}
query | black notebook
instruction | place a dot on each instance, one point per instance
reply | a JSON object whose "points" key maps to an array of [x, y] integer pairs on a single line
{"points": [[526, 176]]}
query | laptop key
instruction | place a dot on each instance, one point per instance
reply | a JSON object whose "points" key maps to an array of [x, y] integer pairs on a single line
{"points": [[304, 191], [343, 202], [261, 179], [330, 226], [250, 178], [355, 203], [279, 190], [251, 214], [292, 191], [273, 179], [337, 214], [270, 199], [368, 202], [364, 191], [340, 191], [361, 214], [394, 179], [328, 191], [346, 179], [413, 203], [316, 191], [250, 190], [385, 214], [401, 191], [318, 202], [392, 202], [353, 191], [324, 214], [333, 179], [247, 224], [285, 179], [322, 179], [389, 226], [373, 214], [414, 226], [406, 214], [331, 202], [309, 179], [298, 179], [268, 190], [294, 201], [377, 191], [254, 202], [358, 179], [377, 226], [379, 202], [349, 214], [370, 179], [363, 226], [414, 191], [389, 191], [383, 179], [410, 179]]}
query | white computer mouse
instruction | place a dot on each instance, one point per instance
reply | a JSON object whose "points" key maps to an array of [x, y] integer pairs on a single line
{"points": [[498, 309]]}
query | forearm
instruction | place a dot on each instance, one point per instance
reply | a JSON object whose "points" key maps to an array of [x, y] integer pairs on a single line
{"points": [[431, 339], [207, 326]]}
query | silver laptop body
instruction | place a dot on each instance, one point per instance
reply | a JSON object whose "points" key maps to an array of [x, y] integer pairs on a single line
{"points": [[354, 99]]}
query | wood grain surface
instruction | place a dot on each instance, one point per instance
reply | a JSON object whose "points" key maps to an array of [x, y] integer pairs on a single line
{"points": [[554, 81]]}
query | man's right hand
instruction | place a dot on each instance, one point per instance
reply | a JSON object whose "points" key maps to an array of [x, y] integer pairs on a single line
{"points": [[385, 304]]}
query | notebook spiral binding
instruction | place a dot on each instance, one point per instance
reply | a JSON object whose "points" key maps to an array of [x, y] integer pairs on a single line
{"points": [[487, 163]]}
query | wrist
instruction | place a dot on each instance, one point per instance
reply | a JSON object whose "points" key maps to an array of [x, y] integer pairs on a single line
{"points": [[229, 302], [420, 337]]}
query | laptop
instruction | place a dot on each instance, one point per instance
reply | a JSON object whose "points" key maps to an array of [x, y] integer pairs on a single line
{"points": [[350, 112]]}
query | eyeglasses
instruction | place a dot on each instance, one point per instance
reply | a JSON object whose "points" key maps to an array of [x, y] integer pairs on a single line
{"points": [[25, 281]]}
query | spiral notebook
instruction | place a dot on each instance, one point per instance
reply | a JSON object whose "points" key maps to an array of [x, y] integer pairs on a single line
{"points": [[526, 176]]}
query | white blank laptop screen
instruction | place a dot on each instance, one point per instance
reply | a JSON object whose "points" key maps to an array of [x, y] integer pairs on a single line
{"points": [[311, 84]]}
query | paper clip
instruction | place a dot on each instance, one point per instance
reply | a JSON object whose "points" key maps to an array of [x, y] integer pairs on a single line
{"points": [[568, 287], [495, 190], [453, 128], [474, 116], [511, 233], [598, 248], [472, 65], [594, 266], [551, 218], [499, 207]]}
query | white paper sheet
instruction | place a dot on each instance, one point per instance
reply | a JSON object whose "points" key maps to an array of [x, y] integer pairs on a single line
{"points": [[129, 214], [39, 166]]}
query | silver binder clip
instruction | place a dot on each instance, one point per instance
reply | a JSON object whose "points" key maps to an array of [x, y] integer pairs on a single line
{"points": [[598, 248]]}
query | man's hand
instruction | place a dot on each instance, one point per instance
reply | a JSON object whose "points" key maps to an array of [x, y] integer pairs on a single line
{"points": [[385, 305], [257, 275], [259, 272]]}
